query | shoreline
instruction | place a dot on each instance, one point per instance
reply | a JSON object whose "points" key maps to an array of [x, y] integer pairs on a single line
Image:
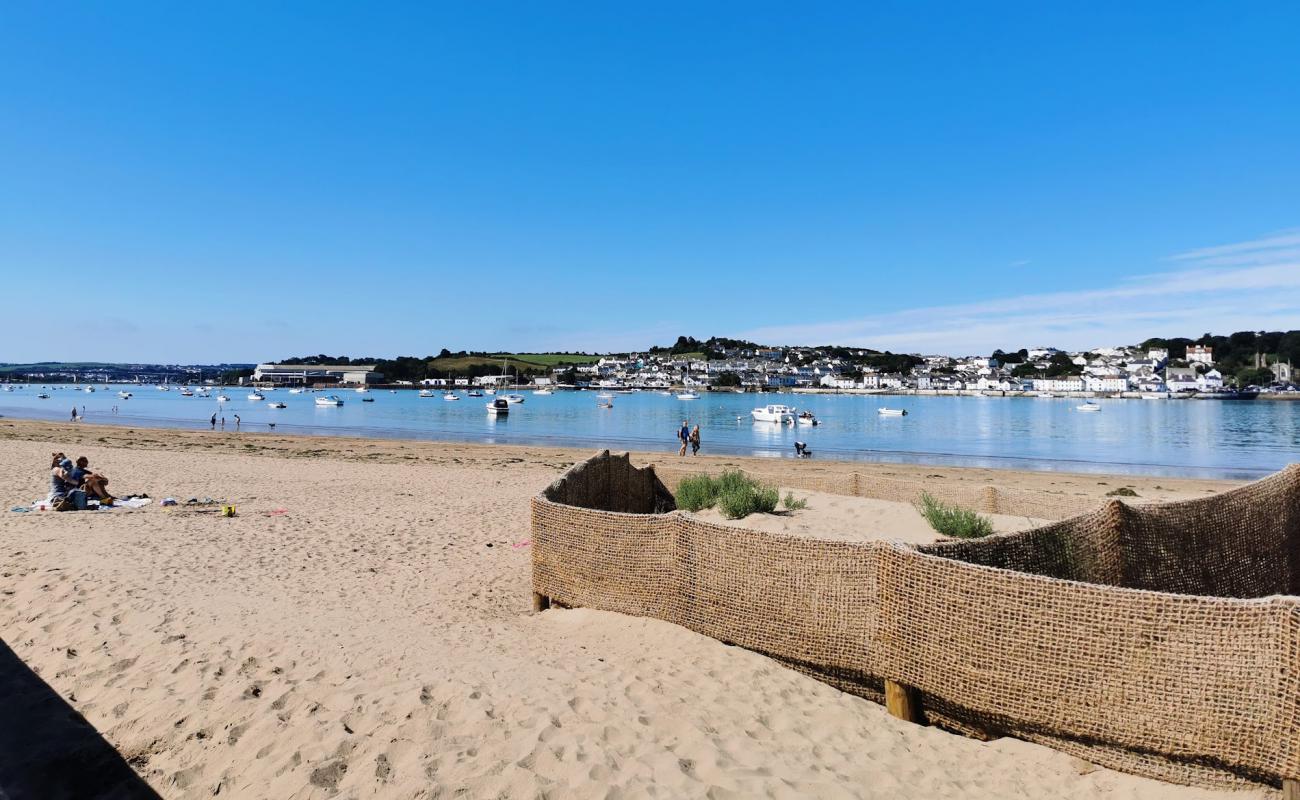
{"points": [[576, 443], [66, 436]]}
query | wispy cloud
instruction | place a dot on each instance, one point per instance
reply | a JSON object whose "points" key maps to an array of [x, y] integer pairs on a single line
{"points": [[1241, 286]]}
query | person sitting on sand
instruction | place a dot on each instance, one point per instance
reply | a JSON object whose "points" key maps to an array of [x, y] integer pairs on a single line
{"points": [[93, 483], [61, 483]]}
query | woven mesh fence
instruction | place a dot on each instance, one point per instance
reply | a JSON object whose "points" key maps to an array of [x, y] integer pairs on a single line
{"points": [[1159, 639]]}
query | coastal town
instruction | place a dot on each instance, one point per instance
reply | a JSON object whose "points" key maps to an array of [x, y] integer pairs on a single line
{"points": [[1155, 369]]}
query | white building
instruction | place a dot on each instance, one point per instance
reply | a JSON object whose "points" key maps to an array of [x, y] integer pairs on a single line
{"points": [[1158, 354], [1181, 379], [1098, 383], [1199, 354], [1058, 384], [1211, 381]]}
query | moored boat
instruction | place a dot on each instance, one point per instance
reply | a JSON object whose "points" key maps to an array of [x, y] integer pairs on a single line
{"points": [[255, 396], [1088, 406], [277, 405], [498, 407], [772, 413], [514, 398], [688, 396], [329, 400], [807, 418], [892, 412]]}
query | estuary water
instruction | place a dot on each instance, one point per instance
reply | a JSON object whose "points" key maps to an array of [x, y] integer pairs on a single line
{"points": [[1202, 438]]}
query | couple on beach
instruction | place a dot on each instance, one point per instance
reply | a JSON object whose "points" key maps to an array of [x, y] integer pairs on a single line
{"points": [[72, 484], [689, 436]]}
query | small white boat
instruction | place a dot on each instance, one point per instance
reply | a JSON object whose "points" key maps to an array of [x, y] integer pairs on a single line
{"points": [[1155, 395], [514, 398], [186, 393], [542, 392], [42, 396], [498, 407], [451, 396], [329, 400], [605, 404], [88, 389], [267, 389], [604, 396], [124, 395], [807, 418], [256, 396], [892, 412], [426, 393], [1088, 407], [473, 393], [489, 391], [295, 391], [1046, 396], [162, 388], [688, 396], [277, 405], [221, 398], [361, 390], [772, 413]]}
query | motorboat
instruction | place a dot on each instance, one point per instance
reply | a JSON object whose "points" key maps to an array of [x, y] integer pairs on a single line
{"points": [[807, 418], [361, 390], [367, 399], [426, 393], [605, 404], [688, 396], [489, 391], [514, 398], [87, 390], [542, 392], [329, 400], [473, 393], [1089, 406], [772, 413], [1046, 396], [123, 395], [498, 407], [43, 396], [256, 396], [295, 391], [451, 396], [277, 405], [162, 388], [892, 412], [221, 398], [186, 393], [1155, 395], [604, 396]]}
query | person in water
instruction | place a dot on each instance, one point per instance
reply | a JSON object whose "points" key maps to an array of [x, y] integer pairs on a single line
{"points": [[695, 440], [684, 436]]}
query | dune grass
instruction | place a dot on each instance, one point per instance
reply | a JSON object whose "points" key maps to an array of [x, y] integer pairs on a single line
{"points": [[952, 520], [735, 494]]}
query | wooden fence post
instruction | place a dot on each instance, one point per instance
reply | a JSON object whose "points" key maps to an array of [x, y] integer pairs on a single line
{"points": [[541, 602], [903, 701]]}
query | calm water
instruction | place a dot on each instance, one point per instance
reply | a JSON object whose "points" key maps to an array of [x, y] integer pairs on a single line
{"points": [[1188, 437]]}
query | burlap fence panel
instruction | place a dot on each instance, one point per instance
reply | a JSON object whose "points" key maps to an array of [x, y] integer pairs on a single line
{"points": [[1084, 548], [1241, 543], [1197, 681], [601, 559], [610, 483]]}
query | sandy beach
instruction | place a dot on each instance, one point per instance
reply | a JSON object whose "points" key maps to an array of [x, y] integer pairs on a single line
{"points": [[362, 628]]}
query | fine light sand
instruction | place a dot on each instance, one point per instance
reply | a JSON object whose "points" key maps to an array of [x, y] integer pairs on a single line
{"points": [[375, 640], [853, 519]]}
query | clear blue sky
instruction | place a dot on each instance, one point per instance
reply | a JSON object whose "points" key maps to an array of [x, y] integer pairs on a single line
{"points": [[247, 181]]}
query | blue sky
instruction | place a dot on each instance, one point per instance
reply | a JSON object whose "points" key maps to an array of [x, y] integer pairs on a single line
{"points": [[247, 181]]}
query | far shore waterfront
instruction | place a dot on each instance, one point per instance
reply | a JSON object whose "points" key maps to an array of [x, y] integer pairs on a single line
{"points": [[362, 627]]}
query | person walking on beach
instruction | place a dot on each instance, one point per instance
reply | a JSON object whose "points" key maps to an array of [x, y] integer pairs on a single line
{"points": [[214, 420], [223, 422], [695, 440], [74, 413], [236, 422], [684, 436]]}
